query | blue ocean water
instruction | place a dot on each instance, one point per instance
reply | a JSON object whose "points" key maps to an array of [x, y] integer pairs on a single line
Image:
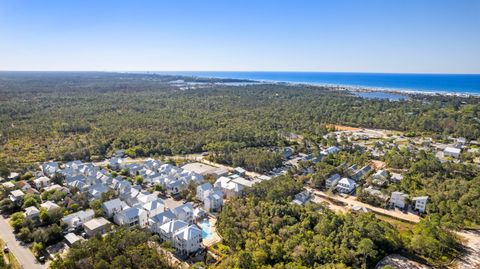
{"points": [[441, 83]]}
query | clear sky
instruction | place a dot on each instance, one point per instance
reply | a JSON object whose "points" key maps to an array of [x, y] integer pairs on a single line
{"points": [[414, 36]]}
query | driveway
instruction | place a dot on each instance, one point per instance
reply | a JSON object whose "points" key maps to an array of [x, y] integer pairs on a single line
{"points": [[351, 201], [23, 254]]}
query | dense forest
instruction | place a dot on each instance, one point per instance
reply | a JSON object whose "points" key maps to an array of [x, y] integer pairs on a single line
{"points": [[265, 230], [86, 116], [122, 249]]}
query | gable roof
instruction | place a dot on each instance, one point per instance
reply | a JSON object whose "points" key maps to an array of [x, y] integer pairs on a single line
{"points": [[188, 233], [172, 226]]}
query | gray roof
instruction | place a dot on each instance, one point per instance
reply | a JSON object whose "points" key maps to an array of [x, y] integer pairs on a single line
{"points": [[132, 212], [112, 204], [183, 208], [174, 225], [163, 217], [206, 186]]}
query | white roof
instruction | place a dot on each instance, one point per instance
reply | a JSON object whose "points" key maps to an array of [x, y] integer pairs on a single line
{"points": [[96, 223], [17, 193], [199, 168], [172, 226], [49, 205], [114, 203], [453, 150], [72, 238], [153, 205], [420, 198], [31, 210], [244, 182], [347, 181], [188, 233], [41, 179]]}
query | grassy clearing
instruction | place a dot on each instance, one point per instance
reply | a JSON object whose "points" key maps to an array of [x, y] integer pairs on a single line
{"points": [[402, 226]]}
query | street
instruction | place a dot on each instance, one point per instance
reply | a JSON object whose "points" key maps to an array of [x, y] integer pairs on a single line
{"points": [[23, 254]]}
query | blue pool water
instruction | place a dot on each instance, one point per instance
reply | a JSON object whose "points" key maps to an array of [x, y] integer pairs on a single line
{"points": [[441, 83], [206, 229]]}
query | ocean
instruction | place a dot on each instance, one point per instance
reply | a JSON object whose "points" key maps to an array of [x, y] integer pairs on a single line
{"points": [[429, 83]]}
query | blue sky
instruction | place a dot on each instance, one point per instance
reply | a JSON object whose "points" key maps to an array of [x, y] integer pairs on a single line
{"points": [[418, 36]]}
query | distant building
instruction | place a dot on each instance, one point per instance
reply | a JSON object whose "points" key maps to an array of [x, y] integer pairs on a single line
{"points": [[239, 171], [131, 217], [184, 212], [213, 202], [332, 181], [112, 207], [16, 196], [154, 207], [32, 213], [330, 150], [420, 203], [157, 221], [202, 190], [346, 185], [72, 238], [302, 198], [76, 219], [397, 199], [168, 229], [96, 226], [41, 182], [453, 152], [187, 240]]}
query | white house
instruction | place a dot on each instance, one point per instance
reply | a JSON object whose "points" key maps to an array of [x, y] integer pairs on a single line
{"points": [[16, 196], [302, 198], [202, 189], [176, 186], [115, 163], [95, 191], [113, 206], [330, 150], [32, 212], [184, 212], [397, 199], [381, 175], [380, 178], [239, 171], [213, 201], [199, 213], [49, 206], [229, 188], [76, 219], [168, 229], [188, 240], [41, 182], [155, 222], [96, 226], [420, 203], [332, 181], [131, 217], [154, 207], [72, 238], [346, 185], [451, 151], [49, 169]]}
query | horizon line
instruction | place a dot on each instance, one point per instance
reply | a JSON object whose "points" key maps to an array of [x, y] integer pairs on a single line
{"points": [[240, 71]]}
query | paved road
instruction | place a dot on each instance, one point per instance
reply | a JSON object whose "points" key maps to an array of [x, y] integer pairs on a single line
{"points": [[23, 254], [351, 201]]}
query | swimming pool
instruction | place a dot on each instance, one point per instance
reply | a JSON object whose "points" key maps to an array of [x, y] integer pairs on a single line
{"points": [[206, 229]]}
